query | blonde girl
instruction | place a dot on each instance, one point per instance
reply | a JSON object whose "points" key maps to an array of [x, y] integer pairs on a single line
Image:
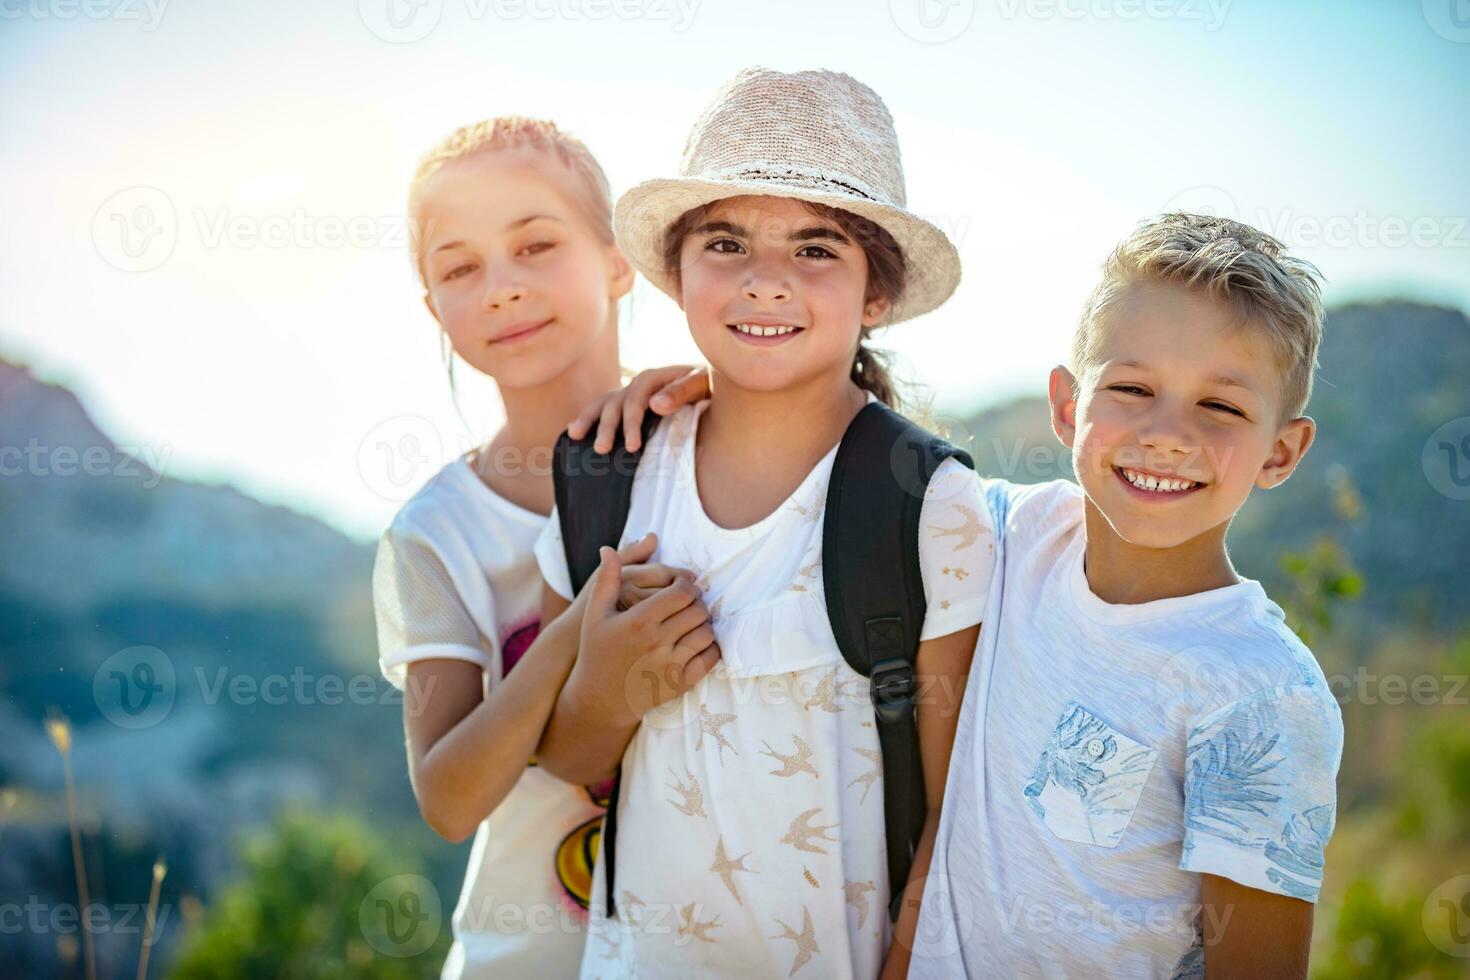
{"points": [[515, 253]]}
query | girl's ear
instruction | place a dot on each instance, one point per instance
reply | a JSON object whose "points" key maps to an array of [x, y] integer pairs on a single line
{"points": [[1292, 443], [1061, 392], [874, 310], [621, 280]]}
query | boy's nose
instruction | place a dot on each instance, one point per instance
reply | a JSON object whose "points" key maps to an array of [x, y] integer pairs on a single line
{"points": [[1165, 430]]}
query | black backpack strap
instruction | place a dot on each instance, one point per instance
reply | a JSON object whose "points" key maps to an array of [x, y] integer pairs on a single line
{"points": [[875, 597], [593, 494]]}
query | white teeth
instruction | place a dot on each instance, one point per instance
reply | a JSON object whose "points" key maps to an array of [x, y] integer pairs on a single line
{"points": [[1146, 481], [756, 330]]}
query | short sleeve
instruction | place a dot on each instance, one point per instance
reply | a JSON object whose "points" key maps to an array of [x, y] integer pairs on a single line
{"points": [[419, 612], [956, 550], [1260, 797], [551, 557]]}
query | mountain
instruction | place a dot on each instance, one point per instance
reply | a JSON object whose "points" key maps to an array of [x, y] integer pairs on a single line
{"points": [[248, 629]]}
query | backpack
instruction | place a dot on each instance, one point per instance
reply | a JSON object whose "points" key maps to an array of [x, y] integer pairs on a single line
{"points": [[871, 580]]}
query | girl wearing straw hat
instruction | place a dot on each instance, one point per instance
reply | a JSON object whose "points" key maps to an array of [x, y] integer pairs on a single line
{"points": [[751, 824]]}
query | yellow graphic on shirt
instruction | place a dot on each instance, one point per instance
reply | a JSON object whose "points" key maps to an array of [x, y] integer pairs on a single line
{"points": [[575, 859]]}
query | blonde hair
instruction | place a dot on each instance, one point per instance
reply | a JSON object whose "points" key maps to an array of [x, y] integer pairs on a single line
{"points": [[1278, 294], [515, 133]]}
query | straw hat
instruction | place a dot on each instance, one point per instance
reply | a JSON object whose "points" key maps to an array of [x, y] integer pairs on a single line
{"points": [[818, 136]]}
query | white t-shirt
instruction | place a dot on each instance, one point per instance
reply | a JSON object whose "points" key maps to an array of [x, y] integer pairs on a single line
{"points": [[750, 822], [1106, 755], [456, 578]]}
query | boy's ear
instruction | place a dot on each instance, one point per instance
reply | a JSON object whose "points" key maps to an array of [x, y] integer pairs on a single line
{"points": [[1061, 393], [622, 274], [1292, 443], [429, 305]]}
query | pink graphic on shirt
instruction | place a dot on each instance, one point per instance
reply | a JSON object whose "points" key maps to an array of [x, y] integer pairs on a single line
{"points": [[516, 642]]}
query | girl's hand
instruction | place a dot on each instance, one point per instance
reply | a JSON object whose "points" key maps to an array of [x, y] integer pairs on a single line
{"points": [[641, 579], [646, 655], [664, 390]]}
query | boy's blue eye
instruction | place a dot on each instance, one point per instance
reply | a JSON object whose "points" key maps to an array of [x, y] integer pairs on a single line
{"points": [[1128, 389], [536, 248], [457, 270]]}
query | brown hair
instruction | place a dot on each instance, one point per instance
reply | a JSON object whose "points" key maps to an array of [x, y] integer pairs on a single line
{"points": [[887, 272], [1277, 294]]}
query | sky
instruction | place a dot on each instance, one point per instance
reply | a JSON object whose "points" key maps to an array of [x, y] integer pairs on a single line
{"points": [[203, 204]]}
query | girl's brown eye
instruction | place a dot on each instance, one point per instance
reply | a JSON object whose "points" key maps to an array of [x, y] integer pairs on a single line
{"points": [[816, 252], [726, 245]]}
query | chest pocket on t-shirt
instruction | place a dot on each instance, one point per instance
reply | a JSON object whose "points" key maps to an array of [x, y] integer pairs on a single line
{"points": [[1089, 778]]}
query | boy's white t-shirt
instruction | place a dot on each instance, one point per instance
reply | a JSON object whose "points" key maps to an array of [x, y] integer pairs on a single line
{"points": [[750, 821], [456, 578], [1106, 755]]}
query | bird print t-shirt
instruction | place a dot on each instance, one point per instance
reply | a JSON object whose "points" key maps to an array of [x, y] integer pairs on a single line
{"points": [[1107, 755], [750, 823], [455, 578]]}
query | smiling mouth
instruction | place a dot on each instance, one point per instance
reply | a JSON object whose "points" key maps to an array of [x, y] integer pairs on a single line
{"points": [[764, 334], [520, 333], [1154, 484]]}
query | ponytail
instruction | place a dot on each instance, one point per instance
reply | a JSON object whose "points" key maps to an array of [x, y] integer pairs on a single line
{"points": [[870, 372]]}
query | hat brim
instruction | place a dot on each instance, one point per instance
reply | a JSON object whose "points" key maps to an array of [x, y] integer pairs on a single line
{"points": [[645, 213]]}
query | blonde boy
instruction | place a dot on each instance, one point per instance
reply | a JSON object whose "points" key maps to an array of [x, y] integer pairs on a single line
{"points": [[1143, 774]]}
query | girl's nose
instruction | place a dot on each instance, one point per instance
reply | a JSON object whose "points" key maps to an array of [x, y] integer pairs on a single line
{"points": [[499, 297], [766, 285]]}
